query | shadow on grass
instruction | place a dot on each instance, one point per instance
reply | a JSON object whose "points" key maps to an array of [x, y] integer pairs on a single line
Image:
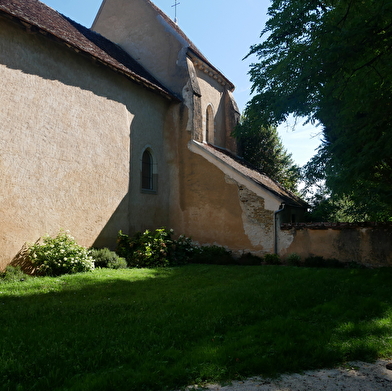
{"points": [[162, 329]]}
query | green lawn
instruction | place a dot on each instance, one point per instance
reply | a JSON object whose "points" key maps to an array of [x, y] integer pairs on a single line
{"points": [[162, 329]]}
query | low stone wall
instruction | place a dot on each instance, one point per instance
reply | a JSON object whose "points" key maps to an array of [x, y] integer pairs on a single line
{"points": [[369, 244]]}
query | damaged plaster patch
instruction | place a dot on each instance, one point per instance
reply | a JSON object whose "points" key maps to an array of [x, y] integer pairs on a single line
{"points": [[258, 222], [254, 205], [285, 238]]}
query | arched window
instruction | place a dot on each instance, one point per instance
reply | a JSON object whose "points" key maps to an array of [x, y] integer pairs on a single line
{"points": [[147, 170], [209, 125]]}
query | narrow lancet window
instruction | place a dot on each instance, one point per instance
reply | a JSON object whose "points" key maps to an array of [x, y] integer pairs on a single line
{"points": [[210, 125], [147, 171]]}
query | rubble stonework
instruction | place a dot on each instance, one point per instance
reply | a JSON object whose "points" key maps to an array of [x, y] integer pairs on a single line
{"points": [[366, 243]]}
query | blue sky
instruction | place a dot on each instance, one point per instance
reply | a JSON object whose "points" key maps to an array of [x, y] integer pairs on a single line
{"points": [[223, 30]]}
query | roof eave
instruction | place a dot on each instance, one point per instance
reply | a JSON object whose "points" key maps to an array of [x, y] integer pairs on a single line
{"points": [[32, 28], [289, 198], [204, 65]]}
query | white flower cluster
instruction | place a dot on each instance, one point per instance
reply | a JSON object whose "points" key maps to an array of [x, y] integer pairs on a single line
{"points": [[60, 255]]}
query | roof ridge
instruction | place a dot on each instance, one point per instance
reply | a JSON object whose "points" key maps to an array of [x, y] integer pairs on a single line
{"points": [[73, 34]]}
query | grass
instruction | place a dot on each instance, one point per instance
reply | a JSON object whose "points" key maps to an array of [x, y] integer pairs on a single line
{"points": [[163, 329]]}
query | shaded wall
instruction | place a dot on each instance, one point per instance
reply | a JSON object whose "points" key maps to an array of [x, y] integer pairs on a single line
{"points": [[67, 160], [365, 243]]}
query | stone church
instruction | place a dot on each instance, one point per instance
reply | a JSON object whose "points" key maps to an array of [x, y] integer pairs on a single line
{"points": [[124, 126]]}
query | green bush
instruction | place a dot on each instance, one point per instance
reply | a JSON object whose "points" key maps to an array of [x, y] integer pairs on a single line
{"points": [[154, 248], [60, 255], [333, 262], [212, 255], [355, 265], [314, 261], [249, 259], [293, 259], [104, 257], [12, 273], [181, 251], [158, 249], [319, 261], [272, 259], [145, 249]]}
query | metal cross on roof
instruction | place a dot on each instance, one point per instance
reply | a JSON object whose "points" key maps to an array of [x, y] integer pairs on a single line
{"points": [[176, 3]]}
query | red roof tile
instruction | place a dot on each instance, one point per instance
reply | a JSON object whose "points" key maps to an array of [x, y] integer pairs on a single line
{"points": [[47, 20], [255, 175]]}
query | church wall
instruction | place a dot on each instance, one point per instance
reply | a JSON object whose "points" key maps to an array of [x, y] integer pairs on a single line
{"points": [[232, 118], [149, 210], [67, 160], [226, 113], [214, 207], [210, 208], [211, 94], [144, 34]]}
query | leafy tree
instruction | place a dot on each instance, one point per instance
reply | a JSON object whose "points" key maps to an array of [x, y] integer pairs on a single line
{"points": [[362, 203], [327, 206], [329, 61], [262, 147]]}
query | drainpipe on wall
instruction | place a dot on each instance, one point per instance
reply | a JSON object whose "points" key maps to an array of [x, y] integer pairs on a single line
{"points": [[281, 209]]}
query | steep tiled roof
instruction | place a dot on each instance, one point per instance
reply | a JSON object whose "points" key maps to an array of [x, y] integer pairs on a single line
{"points": [[39, 17], [256, 176]]}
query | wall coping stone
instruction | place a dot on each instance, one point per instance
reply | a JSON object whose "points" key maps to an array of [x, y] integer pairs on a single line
{"points": [[338, 226]]}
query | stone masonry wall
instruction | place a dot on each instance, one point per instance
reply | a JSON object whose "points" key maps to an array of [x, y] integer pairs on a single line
{"points": [[369, 244]]}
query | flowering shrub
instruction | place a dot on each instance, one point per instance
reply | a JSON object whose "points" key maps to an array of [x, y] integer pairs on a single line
{"points": [[154, 248], [145, 249], [182, 250], [60, 255]]}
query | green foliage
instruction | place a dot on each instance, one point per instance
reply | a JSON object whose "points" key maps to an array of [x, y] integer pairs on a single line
{"points": [[329, 61], [12, 273], [145, 249], [249, 259], [213, 255], [262, 147], [293, 259], [123, 248], [104, 257], [154, 248], [60, 255], [272, 259], [363, 202], [182, 250], [318, 261], [328, 206]]}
